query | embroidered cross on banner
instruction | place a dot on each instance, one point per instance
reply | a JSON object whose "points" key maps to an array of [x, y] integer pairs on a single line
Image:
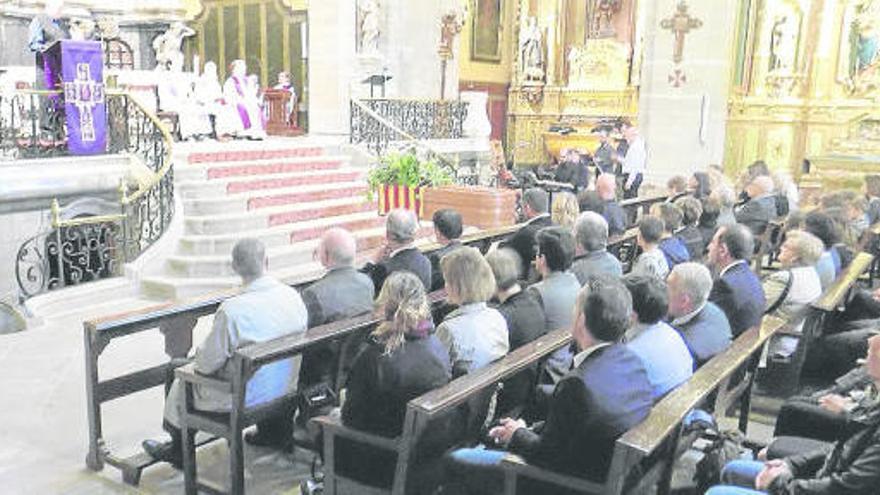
{"points": [[85, 93]]}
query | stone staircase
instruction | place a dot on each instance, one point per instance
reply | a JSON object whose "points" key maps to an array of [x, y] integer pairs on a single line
{"points": [[284, 192]]}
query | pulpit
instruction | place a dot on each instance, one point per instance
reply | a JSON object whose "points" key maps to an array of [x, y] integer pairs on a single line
{"points": [[280, 108], [82, 84]]}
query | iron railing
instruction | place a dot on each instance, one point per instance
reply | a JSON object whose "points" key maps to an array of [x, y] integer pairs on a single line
{"points": [[421, 119], [31, 125], [75, 251]]}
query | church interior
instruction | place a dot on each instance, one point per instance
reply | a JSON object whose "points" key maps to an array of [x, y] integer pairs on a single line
{"points": [[440, 247]]}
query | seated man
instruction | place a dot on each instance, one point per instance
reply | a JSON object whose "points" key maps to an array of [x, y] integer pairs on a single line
{"points": [[341, 293], [606, 186], [760, 209], [592, 239], [674, 249], [265, 309], [572, 170], [536, 210], [737, 290], [651, 262], [399, 252], [851, 466], [702, 324], [447, 231], [661, 348], [604, 395]]}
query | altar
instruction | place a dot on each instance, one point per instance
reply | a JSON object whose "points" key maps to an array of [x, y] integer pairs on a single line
{"points": [[589, 74], [848, 161]]}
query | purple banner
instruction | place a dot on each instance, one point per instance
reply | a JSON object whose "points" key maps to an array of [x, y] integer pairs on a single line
{"points": [[82, 75]]}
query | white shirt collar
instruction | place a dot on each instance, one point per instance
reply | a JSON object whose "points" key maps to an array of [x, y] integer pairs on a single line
{"points": [[681, 320], [582, 356], [398, 250], [728, 267]]}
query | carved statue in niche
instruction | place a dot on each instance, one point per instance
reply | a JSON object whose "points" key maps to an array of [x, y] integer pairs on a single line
{"points": [[859, 58], [783, 44], [168, 47], [368, 26], [531, 50], [600, 14]]}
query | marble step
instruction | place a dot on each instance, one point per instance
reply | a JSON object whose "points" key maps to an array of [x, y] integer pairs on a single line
{"points": [[220, 170], [198, 189], [256, 200], [71, 300], [276, 215], [268, 152], [281, 235]]}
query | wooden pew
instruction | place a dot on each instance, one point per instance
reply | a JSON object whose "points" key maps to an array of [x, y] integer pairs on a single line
{"points": [[635, 208], [424, 414], [644, 456], [246, 362], [175, 320]]}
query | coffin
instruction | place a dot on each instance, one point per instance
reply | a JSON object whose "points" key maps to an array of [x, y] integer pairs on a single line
{"points": [[482, 207]]}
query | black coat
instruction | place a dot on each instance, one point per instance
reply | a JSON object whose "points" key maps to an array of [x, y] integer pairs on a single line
{"points": [[523, 241], [525, 323], [409, 259], [437, 281]]}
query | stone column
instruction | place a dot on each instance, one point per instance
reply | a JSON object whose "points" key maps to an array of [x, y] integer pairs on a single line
{"points": [[683, 107], [331, 60]]}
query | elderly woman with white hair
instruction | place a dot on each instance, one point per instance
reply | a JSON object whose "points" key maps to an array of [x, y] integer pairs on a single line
{"points": [[399, 252], [790, 290], [474, 334], [591, 234]]}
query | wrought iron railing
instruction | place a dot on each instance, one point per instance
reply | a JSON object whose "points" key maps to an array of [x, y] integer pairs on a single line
{"points": [[421, 119], [381, 135], [31, 125], [85, 249]]}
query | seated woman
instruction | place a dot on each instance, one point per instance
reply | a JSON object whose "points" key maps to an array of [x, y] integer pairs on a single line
{"points": [[822, 226], [474, 334], [402, 361], [790, 290], [851, 466]]}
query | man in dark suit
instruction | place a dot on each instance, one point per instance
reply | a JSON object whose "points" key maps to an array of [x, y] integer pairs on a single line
{"points": [[535, 207], [737, 290], [606, 186], [605, 394], [399, 253], [760, 209], [447, 231], [341, 293]]}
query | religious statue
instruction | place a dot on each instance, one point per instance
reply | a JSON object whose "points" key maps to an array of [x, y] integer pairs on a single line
{"points": [[239, 91], [783, 44], [601, 14], [531, 51], [450, 26], [368, 26], [168, 46], [865, 38]]}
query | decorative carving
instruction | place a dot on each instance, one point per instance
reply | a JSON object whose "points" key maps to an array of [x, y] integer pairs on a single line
{"points": [[677, 78], [680, 24], [598, 65], [533, 93], [780, 85]]}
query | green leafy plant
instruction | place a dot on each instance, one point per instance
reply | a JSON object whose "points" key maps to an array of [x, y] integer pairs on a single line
{"points": [[406, 169]]}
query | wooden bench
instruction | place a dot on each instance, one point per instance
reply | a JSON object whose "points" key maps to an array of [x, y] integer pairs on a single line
{"points": [[635, 208], [245, 362], [461, 403], [175, 321], [644, 456]]}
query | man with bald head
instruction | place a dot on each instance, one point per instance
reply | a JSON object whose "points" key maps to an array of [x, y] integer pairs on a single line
{"points": [[399, 252], [760, 209], [265, 309], [606, 187]]}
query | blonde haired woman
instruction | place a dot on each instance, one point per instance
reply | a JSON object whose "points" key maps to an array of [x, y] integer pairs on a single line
{"points": [[565, 210], [474, 334], [402, 360]]}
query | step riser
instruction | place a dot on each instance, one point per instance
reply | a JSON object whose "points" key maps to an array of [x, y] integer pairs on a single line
{"points": [[315, 232], [251, 170], [209, 247], [256, 220], [258, 185], [295, 198], [239, 156], [314, 214], [213, 226]]}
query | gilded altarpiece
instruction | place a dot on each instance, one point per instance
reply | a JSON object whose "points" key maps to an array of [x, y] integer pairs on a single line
{"points": [[806, 86], [589, 67]]}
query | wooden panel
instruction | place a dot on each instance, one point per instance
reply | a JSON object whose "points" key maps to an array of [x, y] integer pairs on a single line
{"points": [[479, 206]]}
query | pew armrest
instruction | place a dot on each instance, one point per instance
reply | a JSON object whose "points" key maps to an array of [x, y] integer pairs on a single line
{"points": [[519, 466], [189, 374], [333, 426]]}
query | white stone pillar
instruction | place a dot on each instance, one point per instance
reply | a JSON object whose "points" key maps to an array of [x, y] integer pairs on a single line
{"points": [[331, 63], [683, 107]]}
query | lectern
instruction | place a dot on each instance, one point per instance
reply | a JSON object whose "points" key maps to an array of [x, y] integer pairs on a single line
{"points": [[82, 85]]}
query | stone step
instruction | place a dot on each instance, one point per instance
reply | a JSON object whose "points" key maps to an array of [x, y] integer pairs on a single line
{"points": [[219, 170], [198, 189], [276, 215], [278, 256], [64, 302], [240, 155], [254, 200]]}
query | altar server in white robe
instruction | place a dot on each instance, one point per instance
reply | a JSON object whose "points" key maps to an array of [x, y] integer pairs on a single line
{"points": [[243, 100], [209, 95]]}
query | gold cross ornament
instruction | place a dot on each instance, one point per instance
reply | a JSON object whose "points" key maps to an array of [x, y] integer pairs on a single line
{"points": [[680, 24]]}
